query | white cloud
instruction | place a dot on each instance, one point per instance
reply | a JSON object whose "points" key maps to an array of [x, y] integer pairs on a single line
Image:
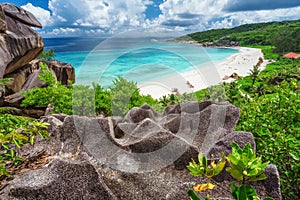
{"points": [[42, 15], [115, 14], [109, 17], [195, 15]]}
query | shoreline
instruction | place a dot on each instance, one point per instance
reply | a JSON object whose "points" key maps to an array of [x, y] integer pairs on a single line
{"points": [[203, 76]]}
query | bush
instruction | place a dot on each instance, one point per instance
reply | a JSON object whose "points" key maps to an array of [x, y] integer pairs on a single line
{"points": [[86, 100], [270, 110], [47, 55], [55, 94]]}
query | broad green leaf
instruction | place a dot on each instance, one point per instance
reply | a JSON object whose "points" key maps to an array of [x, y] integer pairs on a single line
{"points": [[232, 159], [246, 192], [193, 195], [259, 178], [235, 173], [234, 190]]}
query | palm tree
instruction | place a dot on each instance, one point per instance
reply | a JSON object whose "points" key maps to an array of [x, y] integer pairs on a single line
{"points": [[254, 74]]}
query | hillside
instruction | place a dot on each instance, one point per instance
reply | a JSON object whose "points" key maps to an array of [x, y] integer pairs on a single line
{"points": [[284, 35]]}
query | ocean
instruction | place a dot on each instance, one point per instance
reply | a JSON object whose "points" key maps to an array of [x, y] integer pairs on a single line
{"points": [[101, 60]]}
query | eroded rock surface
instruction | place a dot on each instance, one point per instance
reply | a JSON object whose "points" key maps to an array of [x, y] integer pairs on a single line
{"points": [[19, 43], [142, 156]]}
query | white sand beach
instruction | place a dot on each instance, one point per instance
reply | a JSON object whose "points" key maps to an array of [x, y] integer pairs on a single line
{"points": [[203, 76]]}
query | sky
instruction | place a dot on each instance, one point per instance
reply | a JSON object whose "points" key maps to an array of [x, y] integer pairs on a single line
{"points": [[109, 17]]}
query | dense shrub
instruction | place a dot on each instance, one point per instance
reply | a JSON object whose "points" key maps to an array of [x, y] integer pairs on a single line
{"points": [[47, 55], [86, 100], [270, 109]]}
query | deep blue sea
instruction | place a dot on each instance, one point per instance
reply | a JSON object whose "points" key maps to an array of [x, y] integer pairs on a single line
{"points": [[101, 60]]}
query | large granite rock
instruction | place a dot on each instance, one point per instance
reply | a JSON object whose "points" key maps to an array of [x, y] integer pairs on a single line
{"points": [[26, 77], [60, 180], [142, 156], [19, 44]]}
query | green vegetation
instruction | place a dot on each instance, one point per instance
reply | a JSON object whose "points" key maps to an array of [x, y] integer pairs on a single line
{"points": [[271, 113], [15, 132], [47, 55], [270, 110], [243, 166], [283, 35], [203, 169], [86, 100]]}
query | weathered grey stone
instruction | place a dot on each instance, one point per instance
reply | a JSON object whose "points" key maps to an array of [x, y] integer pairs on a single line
{"points": [[171, 122], [60, 117], [147, 162], [59, 180], [272, 183], [10, 110], [224, 144], [19, 44], [136, 115], [124, 129], [187, 107], [21, 15], [145, 137], [46, 147]]}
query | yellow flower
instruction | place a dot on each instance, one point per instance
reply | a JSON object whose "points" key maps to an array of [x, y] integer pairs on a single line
{"points": [[201, 187]]}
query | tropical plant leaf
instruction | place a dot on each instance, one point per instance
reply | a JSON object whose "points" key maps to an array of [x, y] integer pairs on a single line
{"points": [[193, 195]]}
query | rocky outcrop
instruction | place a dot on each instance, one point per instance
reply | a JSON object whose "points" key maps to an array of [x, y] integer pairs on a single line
{"points": [[19, 44], [26, 77], [141, 156]]}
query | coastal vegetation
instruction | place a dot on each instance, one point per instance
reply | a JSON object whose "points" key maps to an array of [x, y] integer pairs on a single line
{"points": [[283, 35], [47, 55], [270, 110]]}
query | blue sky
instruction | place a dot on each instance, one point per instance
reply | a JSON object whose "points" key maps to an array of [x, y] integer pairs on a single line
{"points": [[108, 17]]}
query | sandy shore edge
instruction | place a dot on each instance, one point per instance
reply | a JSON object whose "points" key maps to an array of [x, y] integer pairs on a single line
{"points": [[203, 76]]}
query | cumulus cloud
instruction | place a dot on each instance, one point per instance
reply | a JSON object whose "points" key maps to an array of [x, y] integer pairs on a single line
{"points": [[42, 15], [195, 15], [98, 13], [110, 17]]}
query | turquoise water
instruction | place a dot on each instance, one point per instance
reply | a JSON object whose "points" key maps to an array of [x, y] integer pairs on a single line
{"points": [[138, 61]]}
